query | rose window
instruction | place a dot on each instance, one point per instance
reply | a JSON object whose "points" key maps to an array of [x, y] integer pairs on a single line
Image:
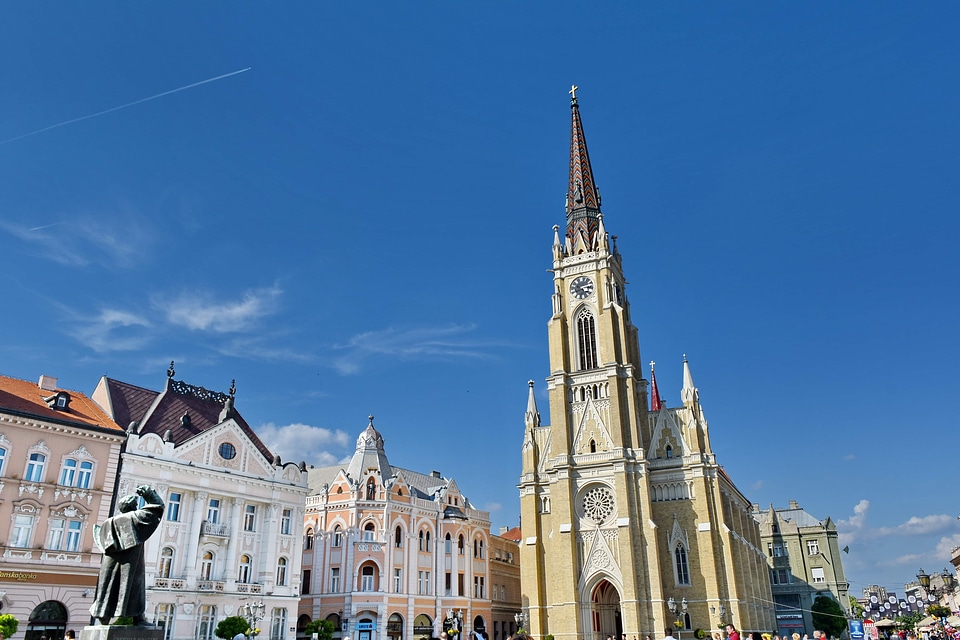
{"points": [[598, 504]]}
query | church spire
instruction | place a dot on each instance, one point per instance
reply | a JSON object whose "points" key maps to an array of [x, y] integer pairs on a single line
{"points": [[688, 393], [583, 197], [532, 417], [656, 402]]}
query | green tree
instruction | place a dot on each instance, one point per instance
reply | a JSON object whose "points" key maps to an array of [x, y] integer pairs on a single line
{"points": [[231, 626], [8, 625], [938, 611], [856, 609], [323, 628], [909, 621], [828, 616]]}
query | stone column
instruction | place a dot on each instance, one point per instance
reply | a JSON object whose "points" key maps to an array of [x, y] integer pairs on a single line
{"points": [[190, 560], [231, 559]]}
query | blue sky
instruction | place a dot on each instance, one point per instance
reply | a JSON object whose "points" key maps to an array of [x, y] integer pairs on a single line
{"points": [[361, 223]]}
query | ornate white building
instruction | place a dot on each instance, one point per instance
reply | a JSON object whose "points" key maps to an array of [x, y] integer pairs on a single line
{"points": [[231, 531], [391, 553]]}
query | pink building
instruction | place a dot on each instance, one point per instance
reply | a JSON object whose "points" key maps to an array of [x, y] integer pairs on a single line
{"points": [[58, 463]]}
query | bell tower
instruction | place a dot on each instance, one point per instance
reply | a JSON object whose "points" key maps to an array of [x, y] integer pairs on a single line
{"points": [[583, 494], [629, 524]]}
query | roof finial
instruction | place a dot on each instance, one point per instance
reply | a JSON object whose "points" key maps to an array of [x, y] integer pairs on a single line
{"points": [[170, 371], [573, 93], [233, 388], [370, 417]]}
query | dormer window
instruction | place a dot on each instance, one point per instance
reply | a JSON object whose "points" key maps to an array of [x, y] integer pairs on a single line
{"points": [[59, 401]]}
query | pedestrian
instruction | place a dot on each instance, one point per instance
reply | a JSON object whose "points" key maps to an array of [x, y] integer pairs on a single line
{"points": [[732, 632], [668, 634]]}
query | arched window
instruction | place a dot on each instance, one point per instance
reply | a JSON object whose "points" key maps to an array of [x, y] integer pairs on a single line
{"points": [[586, 340], [243, 576], [308, 539], [3, 459], [398, 538], [164, 619], [460, 544], [448, 544], [337, 536], [680, 559], [281, 572], [166, 563], [593, 446], [669, 452], [420, 541], [86, 471], [371, 489], [68, 473], [206, 566], [35, 467], [366, 578], [368, 532], [427, 538]]}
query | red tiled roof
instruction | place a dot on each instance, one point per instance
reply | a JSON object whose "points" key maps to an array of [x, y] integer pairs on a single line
{"points": [[513, 534], [26, 397]]}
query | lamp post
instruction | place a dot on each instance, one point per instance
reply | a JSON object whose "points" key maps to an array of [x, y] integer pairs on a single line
{"points": [[518, 618], [935, 593], [679, 610], [721, 609], [253, 613]]}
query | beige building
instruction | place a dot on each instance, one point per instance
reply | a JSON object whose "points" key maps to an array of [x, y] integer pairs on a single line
{"points": [[505, 591], [231, 531], [391, 553], [58, 464], [803, 556], [624, 510]]}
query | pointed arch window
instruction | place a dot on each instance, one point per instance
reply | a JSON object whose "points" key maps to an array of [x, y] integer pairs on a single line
{"points": [[586, 340], [680, 562], [308, 539], [669, 451], [398, 538], [166, 563]]}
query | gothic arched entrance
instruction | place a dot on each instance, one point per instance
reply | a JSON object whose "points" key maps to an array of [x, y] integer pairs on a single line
{"points": [[605, 610]]}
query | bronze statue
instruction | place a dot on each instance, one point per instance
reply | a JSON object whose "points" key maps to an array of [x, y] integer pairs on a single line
{"points": [[121, 588]]}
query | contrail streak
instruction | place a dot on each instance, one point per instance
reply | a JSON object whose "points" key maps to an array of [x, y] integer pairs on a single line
{"points": [[46, 226], [124, 106]]}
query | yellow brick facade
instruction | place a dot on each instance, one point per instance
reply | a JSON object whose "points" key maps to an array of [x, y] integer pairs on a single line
{"points": [[623, 508]]}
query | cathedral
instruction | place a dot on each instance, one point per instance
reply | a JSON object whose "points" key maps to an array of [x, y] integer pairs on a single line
{"points": [[629, 524]]}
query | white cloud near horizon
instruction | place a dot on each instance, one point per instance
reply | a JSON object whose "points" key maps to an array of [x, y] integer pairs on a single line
{"points": [[201, 312], [856, 525], [408, 344], [298, 441]]}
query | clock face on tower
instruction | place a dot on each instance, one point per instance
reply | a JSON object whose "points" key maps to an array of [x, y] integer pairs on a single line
{"points": [[581, 287]]}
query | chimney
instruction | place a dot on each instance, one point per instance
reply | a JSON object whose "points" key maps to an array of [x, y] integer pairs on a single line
{"points": [[434, 474], [47, 383], [503, 530], [794, 505]]}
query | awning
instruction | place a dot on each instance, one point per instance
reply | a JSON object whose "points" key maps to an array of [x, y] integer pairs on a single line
{"points": [[883, 624]]}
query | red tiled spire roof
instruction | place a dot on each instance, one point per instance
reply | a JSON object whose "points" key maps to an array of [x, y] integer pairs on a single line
{"points": [[583, 197], [656, 403]]}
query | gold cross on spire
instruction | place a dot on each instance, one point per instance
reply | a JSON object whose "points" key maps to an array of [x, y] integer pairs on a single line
{"points": [[573, 91]]}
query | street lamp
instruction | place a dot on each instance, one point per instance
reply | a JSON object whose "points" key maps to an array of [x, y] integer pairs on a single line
{"points": [[253, 613], [679, 610], [948, 582], [518, 618], [722, 609]]}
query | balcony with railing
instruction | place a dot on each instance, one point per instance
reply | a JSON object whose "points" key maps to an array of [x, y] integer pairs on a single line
{"points": [[249, 587], [218, 529], [175, 584], [210, 585]]}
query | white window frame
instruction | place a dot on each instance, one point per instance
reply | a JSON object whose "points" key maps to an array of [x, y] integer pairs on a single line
{"points": [[36, 465], [250, 517]]}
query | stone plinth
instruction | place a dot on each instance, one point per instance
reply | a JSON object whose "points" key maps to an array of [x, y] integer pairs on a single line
{"points": [[121, 633]]}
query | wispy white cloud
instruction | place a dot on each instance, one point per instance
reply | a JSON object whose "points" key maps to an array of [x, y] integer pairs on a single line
{"points": [[493, 507], [201, 312], [299, 441], [409, 344], [850, 456], [257, 348], [119, 239], [858, 519], [906, 559], [113, 330], [919, 526]]}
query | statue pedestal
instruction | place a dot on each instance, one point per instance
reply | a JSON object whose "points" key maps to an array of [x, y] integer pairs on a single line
{"points": [[121, 633]]}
